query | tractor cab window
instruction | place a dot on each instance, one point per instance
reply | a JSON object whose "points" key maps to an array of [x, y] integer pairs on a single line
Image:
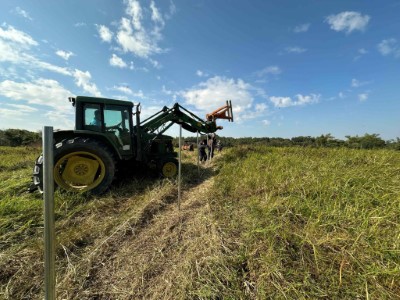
{"points": [[93, 117], [116, 121]]}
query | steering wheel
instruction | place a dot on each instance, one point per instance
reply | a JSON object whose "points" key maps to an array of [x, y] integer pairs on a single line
{"points": [[115, 127]]}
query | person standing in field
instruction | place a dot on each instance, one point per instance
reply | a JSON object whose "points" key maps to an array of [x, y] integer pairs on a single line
{"points": [[202, 150], [212, 142]]}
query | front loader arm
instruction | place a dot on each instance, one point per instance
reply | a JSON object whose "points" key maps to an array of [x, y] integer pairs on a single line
{"points": [[165, 118]]}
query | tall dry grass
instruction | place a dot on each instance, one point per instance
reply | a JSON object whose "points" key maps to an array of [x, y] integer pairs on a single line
{"points": [[310, 223]]}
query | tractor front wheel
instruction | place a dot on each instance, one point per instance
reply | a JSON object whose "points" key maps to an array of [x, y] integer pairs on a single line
{"points": [[80, 165], [168, 168]]}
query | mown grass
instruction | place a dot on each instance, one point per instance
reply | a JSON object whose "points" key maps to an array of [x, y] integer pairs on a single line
{"points": [[307, 223], [82, 221]]}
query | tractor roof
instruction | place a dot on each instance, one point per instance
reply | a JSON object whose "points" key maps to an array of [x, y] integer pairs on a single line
{"points": [[103, 101]]}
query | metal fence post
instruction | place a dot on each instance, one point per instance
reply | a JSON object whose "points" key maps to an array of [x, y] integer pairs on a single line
{"points": [[198, 155], [49, 231], [180, 167]]}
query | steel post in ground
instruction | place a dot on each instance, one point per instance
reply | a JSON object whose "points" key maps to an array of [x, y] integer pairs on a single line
{"points": [[212, 150], [180, 167], [49, 231], [208, 152], [198, 155]]}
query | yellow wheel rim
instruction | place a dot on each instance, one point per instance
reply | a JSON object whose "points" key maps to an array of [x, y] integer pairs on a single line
{"points": [[79, 171], [169, 169]]}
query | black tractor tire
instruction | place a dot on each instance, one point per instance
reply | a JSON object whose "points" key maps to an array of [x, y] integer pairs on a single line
{"points": [[168, 168], [75, 158]]}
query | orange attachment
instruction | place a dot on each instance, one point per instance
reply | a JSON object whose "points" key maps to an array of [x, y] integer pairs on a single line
{"points": [[224, 112]]}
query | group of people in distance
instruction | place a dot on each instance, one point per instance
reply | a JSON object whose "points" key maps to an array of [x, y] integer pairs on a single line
{"points": [[207, 146]]}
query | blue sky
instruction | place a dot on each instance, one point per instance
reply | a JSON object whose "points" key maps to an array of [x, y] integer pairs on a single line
{"points": [[290, 68]]}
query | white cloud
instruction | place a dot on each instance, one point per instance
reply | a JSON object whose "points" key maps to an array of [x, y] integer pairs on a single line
{"points": [[22, 108], [362, 51], [41, 91], [260, 107], [166, 91], [156, 15], [82, 79], [355, 83], [23, 13], [123, 89], [61, 119], [155, 63], [128, 91], [308, 99], [134, 10], [117, 61], [348, 21], [138, 42], [281, 101], [301, 100], [266, 122], [363, 97], [64, 54], [16, 36], [199, 73], [213, 93], [11, 113], [138, 36], [295, 49], [172, 10], [80, 24], [47, 66], [15, 48], [302, 28], [389, 47], [274, 70], [105, 33]]}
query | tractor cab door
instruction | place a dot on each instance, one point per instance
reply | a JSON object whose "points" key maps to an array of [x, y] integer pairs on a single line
{"points": [[117, 122], [112, 120]]}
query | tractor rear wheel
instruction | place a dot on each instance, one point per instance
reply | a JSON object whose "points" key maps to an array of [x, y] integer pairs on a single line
{"points": [[80, 165]]}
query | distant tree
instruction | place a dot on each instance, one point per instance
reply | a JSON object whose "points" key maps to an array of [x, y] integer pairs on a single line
{"points": [[324, 140], [368, 141], [4, 141], [303, 141], [18, 137], [393, 144]]}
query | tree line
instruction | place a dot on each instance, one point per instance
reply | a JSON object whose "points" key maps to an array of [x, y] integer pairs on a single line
{"points": [[367, 141], [19, 137]]}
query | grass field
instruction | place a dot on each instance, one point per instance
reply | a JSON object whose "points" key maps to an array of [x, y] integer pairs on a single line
{"points": [[312, 223], [280, 223]]}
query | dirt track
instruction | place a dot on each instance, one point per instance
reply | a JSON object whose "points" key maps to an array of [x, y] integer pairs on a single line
{"points": [[154, 256]]}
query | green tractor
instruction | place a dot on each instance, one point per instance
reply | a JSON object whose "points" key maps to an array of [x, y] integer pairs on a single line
{"points": [[109, 133]]}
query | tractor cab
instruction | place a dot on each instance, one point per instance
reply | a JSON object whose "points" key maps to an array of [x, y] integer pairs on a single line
{"points": [[108, 117]]}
